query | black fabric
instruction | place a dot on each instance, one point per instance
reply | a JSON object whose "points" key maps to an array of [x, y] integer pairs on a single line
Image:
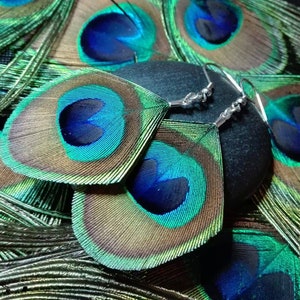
{"points": [[245, 140]]}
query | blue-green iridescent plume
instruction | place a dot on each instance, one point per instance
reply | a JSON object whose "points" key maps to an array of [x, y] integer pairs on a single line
{"points": [[238, 35], [21, 64], [21, 17], [111, 34], [279, 200], [287, 14], [29, 202], [84, 34], [247, 260], [92, 127], [171, 204], [280, 203], [45, 201], [39, 259], [54, 266], [253, 264]]}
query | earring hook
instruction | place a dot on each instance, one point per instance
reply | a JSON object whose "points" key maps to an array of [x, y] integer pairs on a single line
{"points": [[193, 98], [235, 106], [231, 80]]}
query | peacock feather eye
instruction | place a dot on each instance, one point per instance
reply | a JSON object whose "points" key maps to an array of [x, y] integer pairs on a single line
{"points": [[229, 33], [166, 182], [111, 34], [170, 204], [281, 98], [212, 23], [89, 116], [157, 186], [113, 37], [284, 118], [268, 261], [76, 128], [92, 127]]}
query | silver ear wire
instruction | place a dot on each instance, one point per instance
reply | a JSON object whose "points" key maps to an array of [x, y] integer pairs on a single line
{"points": [[236, 106], [192, 98], [231, 80]]}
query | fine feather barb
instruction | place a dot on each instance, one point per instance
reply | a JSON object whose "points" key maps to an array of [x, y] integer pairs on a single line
{"points": [[18, 20], [52, 27], [44, 201], [280, 204], [57, 275], [287, 15]]}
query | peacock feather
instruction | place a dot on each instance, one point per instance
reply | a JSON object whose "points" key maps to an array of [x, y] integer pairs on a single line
{"points": [[279, 200], [95, 124], [112, 34], [18, 73], [250, 251], [170, 205], [225, 31], [249, 260]]}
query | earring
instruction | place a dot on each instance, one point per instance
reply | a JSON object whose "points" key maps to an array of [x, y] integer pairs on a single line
{"points": [[170, 204], [246, 148], [88, 128]]}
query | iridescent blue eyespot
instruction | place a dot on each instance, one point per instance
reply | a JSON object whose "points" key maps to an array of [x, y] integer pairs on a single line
{"points": [[75, 124], [212, 23], [168, 183], [284, 118], [88, 116], [112, 36], [151, 192]]}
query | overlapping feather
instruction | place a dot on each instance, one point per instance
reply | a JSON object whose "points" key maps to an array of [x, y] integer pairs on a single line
{"points": [[20, 70], [51, 251], [279, 199], [93, 126], [236, 35], [170, 204], [111, 34]]}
